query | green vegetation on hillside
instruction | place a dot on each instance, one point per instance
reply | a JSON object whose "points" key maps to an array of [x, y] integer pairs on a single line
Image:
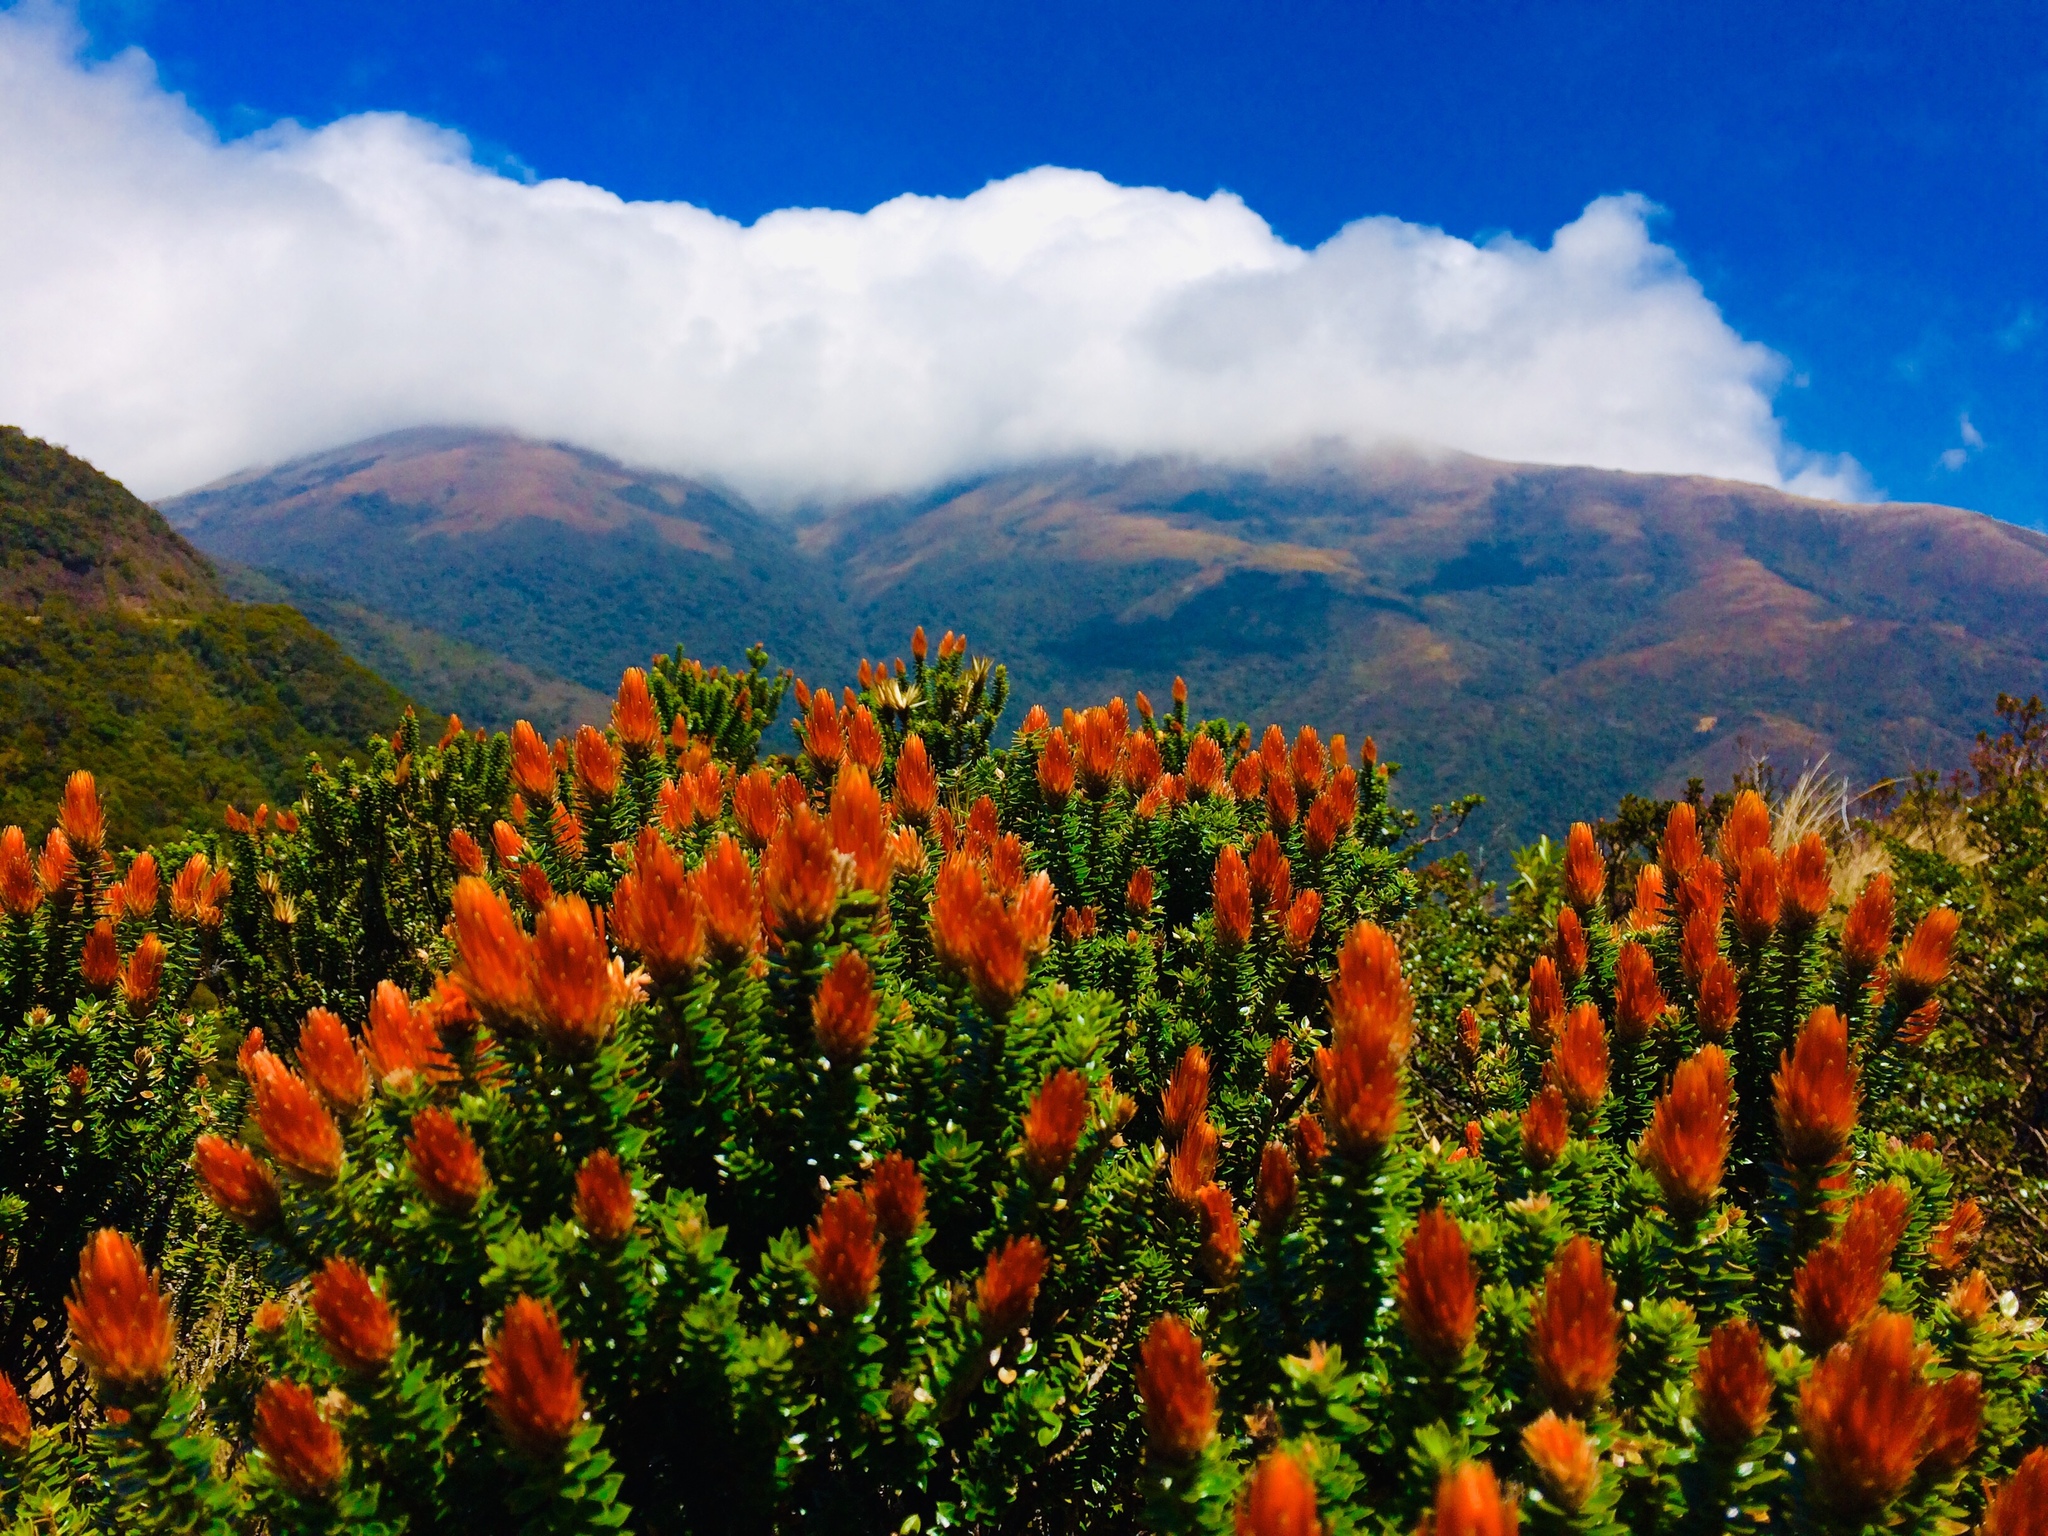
{"points": [[118, 648]]}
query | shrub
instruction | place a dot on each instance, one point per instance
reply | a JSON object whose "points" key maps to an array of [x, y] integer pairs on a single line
{"points": [[917, 1134]]}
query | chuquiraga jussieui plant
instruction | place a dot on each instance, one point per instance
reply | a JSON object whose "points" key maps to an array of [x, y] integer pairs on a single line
{"points": [[902, 1137]]}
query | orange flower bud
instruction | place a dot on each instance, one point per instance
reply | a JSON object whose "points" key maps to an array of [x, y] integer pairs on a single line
{"points": [[140, 890], [303, 1449], [494, 957], [1546, 1001], [1361, 1087], [633, 714], [1957, 1404], [1957, 1237], [575, 984], [918, 644], [799, 884], [83, 821], [1757, 902], [1699, 945], [843, 1011], [355, 1323], [1839, 1284], [99, 967], [1924, 958], [1281, 806], [732, 909], [1326, 823], [1639, 1002], [1187, 1093], [1052, 1123], [1719, 1000], [1204, 768], [1302, 917], [1546, 1127], [1138, 893], [1746, 830], [536, 1393], [1056, 769], [1279, 1067], [1585, 872], [1647, 912], [1570, 946], [57, 864], [1814, 1093], [1233, 901], [533, 769], [1272, 885], [120, 1322], [328, 1060], [1970, 1299], [19, 893], [1469, 1041], [1575, 1336], [1686, 1146], [1438, 1289], [1578, 1063], [1867, 932], [1469, 1502], [2019, 1506], [295, 1127], [1036, 721], [1277, 1187], [1279, 1500], [1804, 883], [1193, 1163], [1566, 1460], [1221, 1240], [1311, 1145], [1864, 1414], [917, 786], [445, 1161], [845, 1255], [824, 739], [237, 1181], [1009, 1286], [1681, 850], [1370, 1001], [15, 1429], [895, 1194], [1732, 1385], [1174, 1389], [657, 913], [1142, 765], [604, 1199], [143, 976]]}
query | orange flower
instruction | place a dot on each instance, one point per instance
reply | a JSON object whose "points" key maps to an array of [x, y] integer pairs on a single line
{"points": [[1746, 830], [1681, 849], [1924, 958], [1957, 1237], [445, 1162], [99, 966], [493, 957], [756, 807], [329, 1061], [1174, 1389], [1838, 1285], [917, 648], [1733, 1385], [1325, 824], [1204, 768], [465, 852], [824, 740], [144, 974], [1546, 1001], [1585, 872], [843, 1010], [120, 1322], [1056, 769], [732, 909], [1957, 1404], [1570, 947], [1804, 882], [400, 1045], [1248, 779], [1279, 1500], [895, 1194], [2020, 1506], [1277, 1187], [83, 821], [1578, 1063], [1233, 893], [1438, 1289], [859, 829], [1138, 893], [633, 715], [140, 890], [1279, 1066], [295, 1127], [1719, 1000], [1098, 748], [1187, 1093], [1647, 911], [1865, 1413], [1546, 1127], [533, 769], [1575, 1336], [656, 912], [1272, 885], [1699, 945], [355, 1323], [575, 983], [505, 838], [1814, 1093], [604, 1198], [1053, 1121], [1142, 765], [1970, 1299], [536, 1392], [1704, 891], [1469, 1502], [1757, 903], [1221, 1240], [1867, 932], [565, 832], [19, 893], [237, 1181], [1686, 1146], [1566, 1460], [1302, 917], [15, 1429], [1281, 807], [57, 863], [1469, 1041], [1193, 1163], [845, 1255], [1311, 1145], [799, 884], [1009, 1286], [303, 1449], [917, 786], [1639, 1002], [1361, 1085], [1369, 1000]]}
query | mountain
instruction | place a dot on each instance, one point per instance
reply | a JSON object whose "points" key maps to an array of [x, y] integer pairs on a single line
{"points": [[1549, 637], [121, 652]]}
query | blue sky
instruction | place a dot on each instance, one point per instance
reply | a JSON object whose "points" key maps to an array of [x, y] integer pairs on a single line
{"points": [[1861, 188]]}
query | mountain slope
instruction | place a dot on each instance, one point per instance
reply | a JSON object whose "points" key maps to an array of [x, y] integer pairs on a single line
{"points": [[1551, 637], [119, 652]]}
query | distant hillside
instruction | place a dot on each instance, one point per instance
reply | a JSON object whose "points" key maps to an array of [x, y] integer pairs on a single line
{"points": [[1550, 637], [119, 652]]}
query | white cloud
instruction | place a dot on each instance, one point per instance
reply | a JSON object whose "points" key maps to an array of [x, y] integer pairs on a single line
{"points": [[176, 307], [1972, 444]]}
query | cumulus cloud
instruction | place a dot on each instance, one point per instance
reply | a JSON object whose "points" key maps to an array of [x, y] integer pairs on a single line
{"points": [[176, 306]]}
